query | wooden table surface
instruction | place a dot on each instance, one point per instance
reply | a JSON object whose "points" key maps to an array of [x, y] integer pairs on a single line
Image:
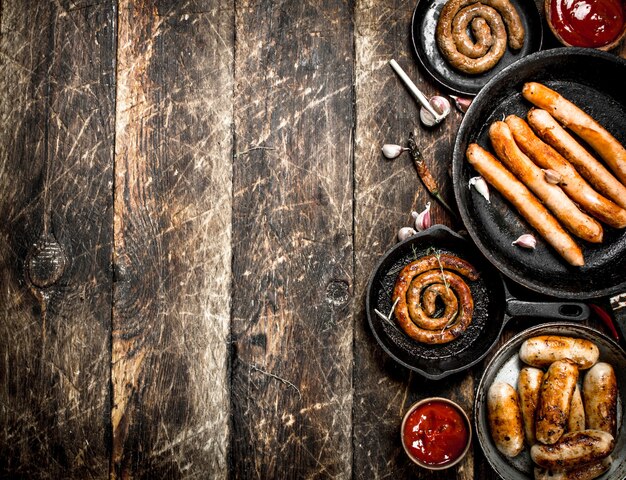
{"points": [[193, 198]]}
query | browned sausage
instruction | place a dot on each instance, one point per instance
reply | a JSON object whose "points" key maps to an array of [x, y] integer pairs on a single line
{"points": [[436, 263], [574, 449], [555, 399], [542, 350], [525, 203], [576, 419], [528, 388], [447, 46], [481, 31], [551, 132], [577, 222], [505, 419], [588, 471], [600, 398], [572, 183], [432, 293], [582, 124]]}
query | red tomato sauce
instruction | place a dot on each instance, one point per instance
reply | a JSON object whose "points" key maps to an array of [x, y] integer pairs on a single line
{"points": [[587, 23], [435, 433]]}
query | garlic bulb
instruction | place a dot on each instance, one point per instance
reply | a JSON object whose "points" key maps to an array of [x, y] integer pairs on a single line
{"points": [[526, 241], [405, 232], [441, 105], [423, 219], [481, 186], [462, 104], [392, 151]]}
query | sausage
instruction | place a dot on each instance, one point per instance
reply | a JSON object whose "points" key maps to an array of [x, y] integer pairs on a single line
{"points": [[438, 290], [436, 263], [447, 46], [577, 222], [481, 31], [505, 419], [574, 449], [600, 398], [528, 388], [576, 420], [555, 397], [582, 124], [588, 471], [525, 203], [551, 132], [572, 183], [447, 281], [541, 351]]}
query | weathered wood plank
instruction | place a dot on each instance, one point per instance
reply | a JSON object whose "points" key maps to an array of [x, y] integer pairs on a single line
{"points": [[56, 154], [292, 240], [385, 194], [172, 239]]}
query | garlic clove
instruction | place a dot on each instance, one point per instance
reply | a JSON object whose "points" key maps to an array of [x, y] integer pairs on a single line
{"points": [[423, 219], [405, 232], [526, 241], [481, 186], [462, 104], [552, 177], [392, 151], [441, 105]]}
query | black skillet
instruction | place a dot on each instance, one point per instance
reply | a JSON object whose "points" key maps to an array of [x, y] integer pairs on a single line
{"points": [[595, 80], [494, 306], [424, 24]]}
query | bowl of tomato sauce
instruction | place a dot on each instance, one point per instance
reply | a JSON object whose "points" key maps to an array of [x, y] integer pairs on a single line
{"points": [[597, 24], [436, 433]]}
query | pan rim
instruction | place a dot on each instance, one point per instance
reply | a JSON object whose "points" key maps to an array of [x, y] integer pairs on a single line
{"points": [[457, 164]]}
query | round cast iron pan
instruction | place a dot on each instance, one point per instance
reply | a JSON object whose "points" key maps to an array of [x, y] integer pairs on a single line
{"points": [[424, 25], [493, 307], [505, 366], [594, 80]]}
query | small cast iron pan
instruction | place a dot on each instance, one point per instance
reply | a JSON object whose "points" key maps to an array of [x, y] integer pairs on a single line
{"points": [[424, 26], [493, 307], [594, 80], [505, 367]]}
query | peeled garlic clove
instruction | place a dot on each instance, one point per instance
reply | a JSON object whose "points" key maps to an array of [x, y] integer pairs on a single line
{"points": [[552, 176], [481, 186], [462, 104], [405, 232], [423, 219], [441, 105], [392, 151], [526, 241]]}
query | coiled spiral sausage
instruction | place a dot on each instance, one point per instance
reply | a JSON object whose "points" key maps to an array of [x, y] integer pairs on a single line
{"points": [[417, 287]]}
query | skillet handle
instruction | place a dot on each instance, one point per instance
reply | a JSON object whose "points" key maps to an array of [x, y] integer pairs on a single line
{"points": [[567, 311]]}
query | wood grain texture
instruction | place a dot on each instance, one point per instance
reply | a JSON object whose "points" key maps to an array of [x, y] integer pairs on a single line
{"points": [[173, 160], [292, 241], [385, 194], [56, 153]]}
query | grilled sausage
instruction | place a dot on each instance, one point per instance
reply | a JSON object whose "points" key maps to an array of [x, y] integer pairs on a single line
{"points": [[435, 263], [576, 420], [555, 398], [582, 124], [505, 419], [542, 350], [448, 48], [470, 16], [525, 203], [574, 449], [572, 183], [588, 471], [577, 222], [600, 397], [528, 388], [551, 132]]}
